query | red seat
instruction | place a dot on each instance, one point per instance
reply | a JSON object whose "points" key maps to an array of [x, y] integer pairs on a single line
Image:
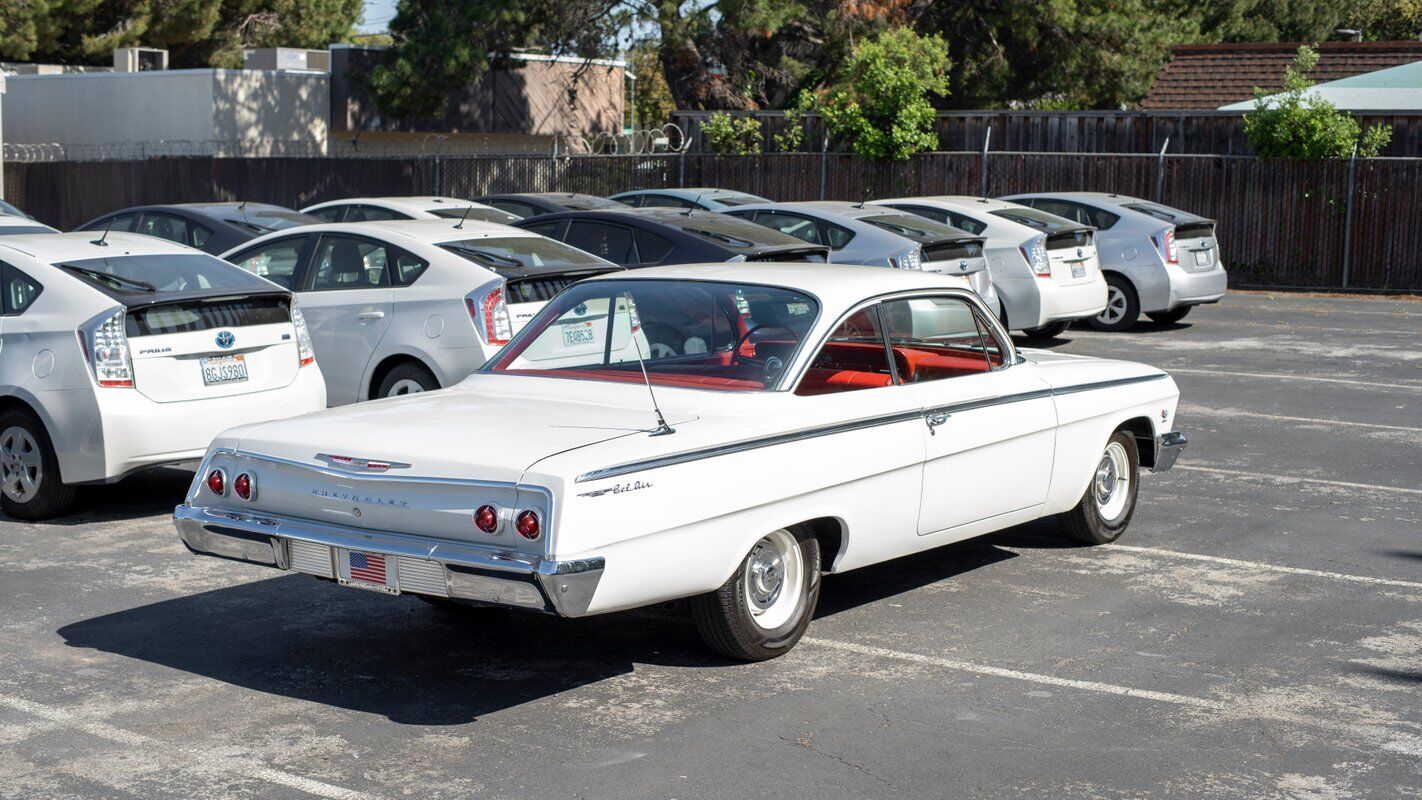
{"points": [[824, 381]]}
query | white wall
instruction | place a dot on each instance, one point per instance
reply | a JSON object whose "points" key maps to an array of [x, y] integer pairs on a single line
{"points": [[196, 105]]}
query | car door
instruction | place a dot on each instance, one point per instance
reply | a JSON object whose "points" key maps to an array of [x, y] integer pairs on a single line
{"points": [[348, 304], [989, 425]]}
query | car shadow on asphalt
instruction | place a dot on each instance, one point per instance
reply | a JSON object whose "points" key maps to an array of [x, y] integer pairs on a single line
{"points": [[154, 491], [398, 657]]}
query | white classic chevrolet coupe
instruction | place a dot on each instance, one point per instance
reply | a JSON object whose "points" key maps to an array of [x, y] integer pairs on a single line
{"points": [[808, 419]]}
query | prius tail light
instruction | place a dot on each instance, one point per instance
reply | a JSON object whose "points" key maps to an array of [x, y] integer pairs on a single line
{"points": [[1035, 251], [490, 313], [105, 345], [528, 525], [304, 353], [1166, 244]]}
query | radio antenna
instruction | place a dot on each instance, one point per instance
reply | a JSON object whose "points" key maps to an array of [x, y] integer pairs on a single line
{"points": [[694, 205], [460, 226], [100, 241], [662, 428]]}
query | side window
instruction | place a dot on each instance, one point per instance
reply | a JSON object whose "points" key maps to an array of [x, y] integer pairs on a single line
{"points": [[347, 262], [406, 268], [371, 214], [793, 224], [329, 213], [934, 338], [652, 248], [122, 222], [935, 214], [1061, 208], [549, 229], [276, 261], [514, 207], [1102, 220], [835, 236], [173, 228], [664, 201], [852, 358], [20, 290], [966, 223], [612, 242]]}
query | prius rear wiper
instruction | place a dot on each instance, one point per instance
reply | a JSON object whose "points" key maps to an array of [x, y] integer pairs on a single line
{"points": [[106, 277], [496, 259]]}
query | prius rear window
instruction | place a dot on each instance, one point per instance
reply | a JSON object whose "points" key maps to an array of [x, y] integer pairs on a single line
{"points": [[128, 276]]}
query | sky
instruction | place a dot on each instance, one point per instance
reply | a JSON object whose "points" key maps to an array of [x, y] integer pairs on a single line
{"points": [[376, 16]]}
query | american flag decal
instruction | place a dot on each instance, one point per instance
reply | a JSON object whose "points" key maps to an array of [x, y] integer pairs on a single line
{"points": [[368, 567]]}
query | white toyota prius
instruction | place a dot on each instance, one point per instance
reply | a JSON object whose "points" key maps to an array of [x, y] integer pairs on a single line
{"points": [[120, 352]]}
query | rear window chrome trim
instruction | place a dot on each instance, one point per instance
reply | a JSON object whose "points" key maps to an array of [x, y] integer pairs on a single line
{"points": [[847, 427]]}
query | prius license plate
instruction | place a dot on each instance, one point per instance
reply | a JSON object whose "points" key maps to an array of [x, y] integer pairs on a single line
{"points": [[217, 370], [1202, 258], [1078, 270], [578, 333]]}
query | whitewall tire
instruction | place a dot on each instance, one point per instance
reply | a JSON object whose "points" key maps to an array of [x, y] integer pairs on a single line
{"points": [[765, 607]]}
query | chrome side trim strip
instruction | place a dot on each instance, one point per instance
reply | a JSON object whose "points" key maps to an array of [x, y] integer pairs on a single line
{"points": [[846, 427]]}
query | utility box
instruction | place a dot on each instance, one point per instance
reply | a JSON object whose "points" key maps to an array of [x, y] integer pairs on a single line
{"points": [[288, 59], [140, 59]]}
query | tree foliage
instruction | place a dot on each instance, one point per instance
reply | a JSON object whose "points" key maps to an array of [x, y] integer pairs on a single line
{"points": [[652, 103], [197, 33], [1300, 124], [740, 136], [883, 105]]}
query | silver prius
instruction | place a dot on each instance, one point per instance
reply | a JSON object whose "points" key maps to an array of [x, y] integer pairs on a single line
{"points": [[1159, 261], [875, 236]]}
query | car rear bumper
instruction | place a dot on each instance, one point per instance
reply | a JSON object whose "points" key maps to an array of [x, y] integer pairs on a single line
{"points": [[139, 433], [1076, 301], [1194, 288], [420, 564]]}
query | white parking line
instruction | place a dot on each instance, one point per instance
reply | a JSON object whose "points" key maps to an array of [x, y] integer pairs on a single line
{"points": [[1258, 565], [1019, 675], [1234, 412], [1239, 473], [1416, 387], [199, 758]]}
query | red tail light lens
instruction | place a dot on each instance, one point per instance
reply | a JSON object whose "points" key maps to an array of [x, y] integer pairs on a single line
{"points": [[217, 482], [243, 485], [527, 525], [1172, 253], [486, 519]]}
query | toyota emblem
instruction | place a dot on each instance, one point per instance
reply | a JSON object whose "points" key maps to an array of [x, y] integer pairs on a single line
{"points": [[225, 340]]}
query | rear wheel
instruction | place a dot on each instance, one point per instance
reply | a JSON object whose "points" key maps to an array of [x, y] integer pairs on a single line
{"points": [[1123, 307], [1049, 331], [1110, 500], [29, 470], [765, 607], [407, 378], [1168, 317]]}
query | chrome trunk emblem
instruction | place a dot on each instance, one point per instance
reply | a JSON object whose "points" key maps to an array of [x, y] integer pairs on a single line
{"points": [[353, 464]]}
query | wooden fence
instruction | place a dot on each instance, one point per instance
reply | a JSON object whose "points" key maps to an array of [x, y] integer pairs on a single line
{"points": [[1327, 224]]}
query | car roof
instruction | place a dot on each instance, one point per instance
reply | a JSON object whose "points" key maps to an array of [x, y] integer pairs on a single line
{"points": [[60, 247], [429, 231], [689, 193], [837, 285], [421, 202], [1113, 204], [12, 221], [956, 202]]}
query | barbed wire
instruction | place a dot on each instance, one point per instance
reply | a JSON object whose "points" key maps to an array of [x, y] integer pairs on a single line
{"points": [[669, 138]]}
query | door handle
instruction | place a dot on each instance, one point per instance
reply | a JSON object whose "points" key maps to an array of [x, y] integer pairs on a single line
{"points": [[934, 419], [370, 315]]}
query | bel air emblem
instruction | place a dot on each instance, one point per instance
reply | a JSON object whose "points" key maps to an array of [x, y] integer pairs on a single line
{"points": [[353, 464], [225, 340]]}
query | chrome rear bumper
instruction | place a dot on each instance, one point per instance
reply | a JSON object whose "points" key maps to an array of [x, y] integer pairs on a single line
{"points": [[470, 572], [1168, 447]]}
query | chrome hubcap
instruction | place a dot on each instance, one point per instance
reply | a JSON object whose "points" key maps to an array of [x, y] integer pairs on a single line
{"points": [[21, 468], [1115, 309], [774, 575], [406, 386], [1112, 484]]}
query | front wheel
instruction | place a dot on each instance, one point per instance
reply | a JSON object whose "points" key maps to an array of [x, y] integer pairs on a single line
{"points": [[29, 470], [765, 607], [1123, 306], [1169, 317], [1105, 510]]}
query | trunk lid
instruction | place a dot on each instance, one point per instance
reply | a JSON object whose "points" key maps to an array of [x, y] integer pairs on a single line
{"points": [[208, 347], [1198, 249], [1071, 253], [959, 256]]}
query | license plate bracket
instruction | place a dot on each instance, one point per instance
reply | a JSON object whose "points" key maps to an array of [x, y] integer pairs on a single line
{"points": [[1078, 270], [221, 370], [365, 570], [1202, 258]]}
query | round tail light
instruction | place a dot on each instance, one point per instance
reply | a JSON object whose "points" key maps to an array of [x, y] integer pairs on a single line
{"points": [[527, 525], [486, 518], [217, 482], [244, 486]]}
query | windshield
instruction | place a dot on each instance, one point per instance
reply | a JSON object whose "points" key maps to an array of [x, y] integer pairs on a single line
{"points": [[6, 208], [585, 202], [731, 200], [913, 226], [475, 213], [1033, 218], [729, 231], [523, 251], [693, 334], [178, 272], [267, 220]]}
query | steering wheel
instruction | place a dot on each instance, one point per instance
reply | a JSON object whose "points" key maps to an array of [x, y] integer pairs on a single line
{"points": [[741, 357]]}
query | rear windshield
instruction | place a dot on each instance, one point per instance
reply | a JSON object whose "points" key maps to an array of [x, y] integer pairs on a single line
{"points": [[738, 199], [130, 276], [728, 231], [912, 226], [522, 252], [1032, 218], [586, 202], [476, 214], [1158, 211], [264, 221], [692, 334], [14, 230], [203, 315]]}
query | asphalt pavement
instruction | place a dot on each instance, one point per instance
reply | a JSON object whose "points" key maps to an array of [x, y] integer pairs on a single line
{"points": [[1257, 633]]}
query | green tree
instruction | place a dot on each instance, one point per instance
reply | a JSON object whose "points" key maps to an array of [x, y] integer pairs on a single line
{"points": [[652, 104], [882, 106], [1300, 124], [1386, 20], [740, 136]]}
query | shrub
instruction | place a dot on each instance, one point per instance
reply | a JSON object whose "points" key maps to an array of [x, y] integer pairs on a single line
{"points": [[883, 108], [1300, 124], [735, 136]]}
